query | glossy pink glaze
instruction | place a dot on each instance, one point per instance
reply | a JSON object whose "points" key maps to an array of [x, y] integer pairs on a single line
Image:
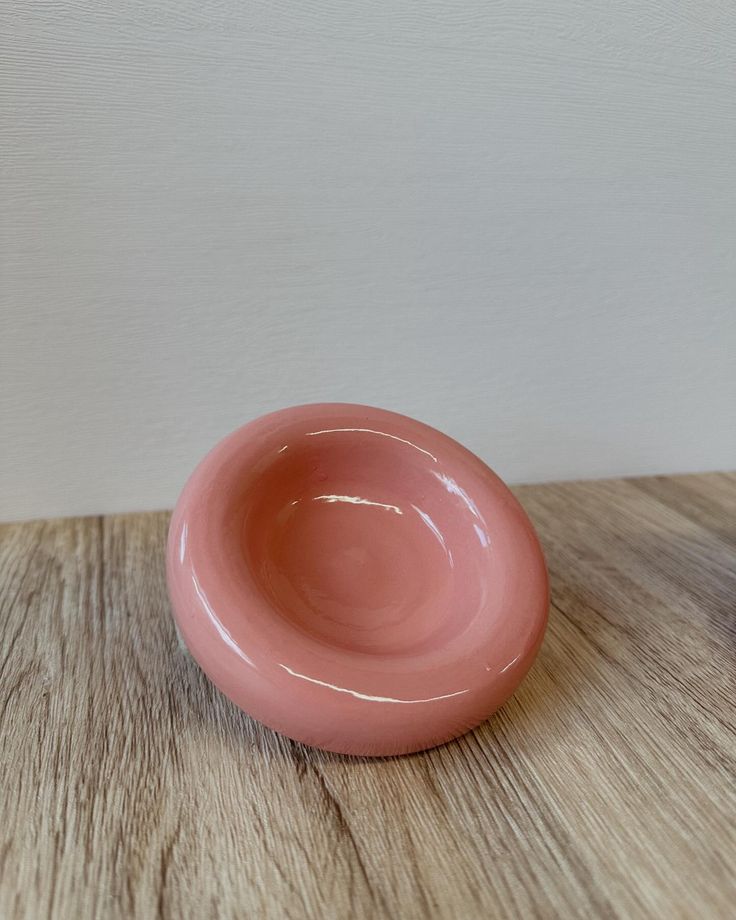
{"points": [[356, 579]]}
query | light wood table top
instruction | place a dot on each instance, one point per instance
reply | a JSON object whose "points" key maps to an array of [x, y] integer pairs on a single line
{"points": [[131, 788]]}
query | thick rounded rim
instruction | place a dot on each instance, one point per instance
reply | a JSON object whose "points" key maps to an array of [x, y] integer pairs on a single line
{"points": [[338, 698]]}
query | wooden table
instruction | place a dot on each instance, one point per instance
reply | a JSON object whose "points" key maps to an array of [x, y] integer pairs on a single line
{"points": [[605, 788]]}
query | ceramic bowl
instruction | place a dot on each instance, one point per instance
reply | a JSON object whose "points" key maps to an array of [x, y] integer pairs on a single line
{"points": [[355, 579]]}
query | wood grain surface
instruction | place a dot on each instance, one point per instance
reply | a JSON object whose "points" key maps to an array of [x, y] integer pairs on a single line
{"points": [[604, 788]]}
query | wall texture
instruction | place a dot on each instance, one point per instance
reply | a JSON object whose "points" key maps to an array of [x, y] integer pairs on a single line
{"points": [[515, 220]]}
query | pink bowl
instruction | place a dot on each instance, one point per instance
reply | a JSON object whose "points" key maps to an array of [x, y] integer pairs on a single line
{"points": [[356, 579]]}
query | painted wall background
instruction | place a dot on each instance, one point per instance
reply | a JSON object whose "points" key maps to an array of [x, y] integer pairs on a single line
{"points": [[514, 220]]}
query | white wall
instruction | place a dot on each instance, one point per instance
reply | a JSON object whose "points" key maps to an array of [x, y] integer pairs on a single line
{"points": [[514, 220]]}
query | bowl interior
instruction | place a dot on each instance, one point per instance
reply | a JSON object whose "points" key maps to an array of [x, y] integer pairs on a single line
{"points": [[367, 542]]}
